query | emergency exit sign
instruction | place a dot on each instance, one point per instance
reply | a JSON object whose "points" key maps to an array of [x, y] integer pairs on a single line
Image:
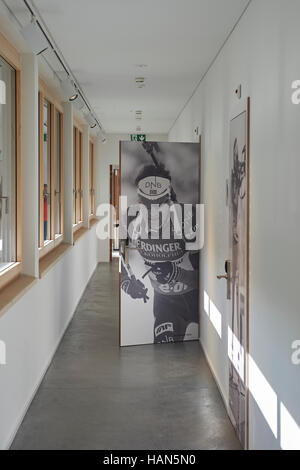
{"points": [[138, 137]]}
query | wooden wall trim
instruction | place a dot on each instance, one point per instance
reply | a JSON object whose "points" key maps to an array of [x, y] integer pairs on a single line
{"points": [[49, 95], [78, 123], [9, 53]]}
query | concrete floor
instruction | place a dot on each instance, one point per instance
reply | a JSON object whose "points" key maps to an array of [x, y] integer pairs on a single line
{"points": [[98, 396]]}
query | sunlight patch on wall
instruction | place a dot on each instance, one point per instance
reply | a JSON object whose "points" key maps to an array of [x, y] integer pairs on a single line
{"points": [[206, 303], [289, 430], [216, 318], [263, 394]]}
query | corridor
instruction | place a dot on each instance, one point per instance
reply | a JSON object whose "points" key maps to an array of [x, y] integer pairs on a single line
{"points": [[98, 396]]}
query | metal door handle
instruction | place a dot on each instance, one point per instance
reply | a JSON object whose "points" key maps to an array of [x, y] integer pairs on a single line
{"points": [[5, 198], [227, 276]]}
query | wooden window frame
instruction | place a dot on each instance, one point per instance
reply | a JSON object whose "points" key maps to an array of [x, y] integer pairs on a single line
{"points": [[92, 179], [54, 105], [12, 57]]}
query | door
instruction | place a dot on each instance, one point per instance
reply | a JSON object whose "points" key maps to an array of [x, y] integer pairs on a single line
{"points": [[238, 198], [159, 280]]}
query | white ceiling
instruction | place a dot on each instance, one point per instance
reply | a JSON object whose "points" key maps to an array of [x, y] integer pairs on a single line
{"points": [[104, 40]]}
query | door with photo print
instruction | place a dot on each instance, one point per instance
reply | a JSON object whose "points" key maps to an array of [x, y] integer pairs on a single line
{"points": [[238, 239], [159, 281]]}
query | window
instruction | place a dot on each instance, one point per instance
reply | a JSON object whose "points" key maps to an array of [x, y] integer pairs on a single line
{"points": [[8, 167], [78, 177], [45, 164], [50, 175], [58, 170], [92, 178]]}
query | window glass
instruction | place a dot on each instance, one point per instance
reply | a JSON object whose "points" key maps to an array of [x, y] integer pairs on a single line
{"points": [[92, 179], [7, 165], [78, 177], [47, 170], [57, 174], [74, 174]]}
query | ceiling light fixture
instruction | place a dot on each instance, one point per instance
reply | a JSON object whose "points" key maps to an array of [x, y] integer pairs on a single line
{"points": [[90, 120], [40, 38], [35, 38], [69, 89], [102, 136], [79, 103]]}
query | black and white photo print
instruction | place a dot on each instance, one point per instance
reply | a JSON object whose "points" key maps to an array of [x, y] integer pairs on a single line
{"points": [[238, 220], [159, 270]]}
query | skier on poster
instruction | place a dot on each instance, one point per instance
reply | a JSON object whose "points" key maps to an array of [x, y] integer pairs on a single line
{"points": [[172, 269]]}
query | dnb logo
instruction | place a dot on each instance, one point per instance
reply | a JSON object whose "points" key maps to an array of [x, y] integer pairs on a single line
{"points": [[2, 353], [163, 328], [154, 187]]}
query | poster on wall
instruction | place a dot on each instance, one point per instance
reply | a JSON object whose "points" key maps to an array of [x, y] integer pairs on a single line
{"points": [[238, 224], [159, 281]]}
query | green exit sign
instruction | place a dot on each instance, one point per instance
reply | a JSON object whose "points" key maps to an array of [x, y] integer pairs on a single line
{"points": [[138, 137]]}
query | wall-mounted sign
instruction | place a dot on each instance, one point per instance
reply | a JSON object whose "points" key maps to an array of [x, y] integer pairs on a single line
{"points": [[138, 137]]}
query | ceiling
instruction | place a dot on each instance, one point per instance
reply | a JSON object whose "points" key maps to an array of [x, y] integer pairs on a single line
{"points": [[108, 43]]}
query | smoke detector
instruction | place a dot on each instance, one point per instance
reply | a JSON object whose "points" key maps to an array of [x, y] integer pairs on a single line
{"points": [[140, 82]]}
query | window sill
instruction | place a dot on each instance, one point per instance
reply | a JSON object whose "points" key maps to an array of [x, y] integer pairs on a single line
{"points": [[50, 245], [78, 234], [14, 291], [93, 221], [77, 226], [49, 260], [9, 274]]}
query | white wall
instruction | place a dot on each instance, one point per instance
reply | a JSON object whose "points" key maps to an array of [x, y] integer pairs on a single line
{"points": [[33, 327], [108, 154], [262, 54]]}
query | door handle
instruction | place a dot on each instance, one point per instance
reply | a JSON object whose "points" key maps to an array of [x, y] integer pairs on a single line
{"points": [[5, 198], [227, 276]]}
